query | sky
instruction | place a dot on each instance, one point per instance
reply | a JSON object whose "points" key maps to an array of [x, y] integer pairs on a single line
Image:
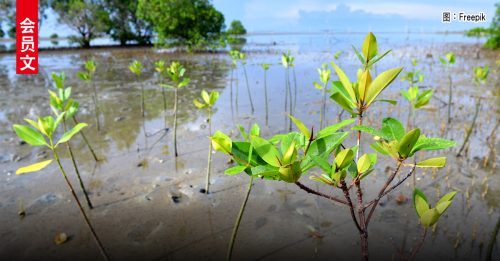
{"points": [[334, 15], [287, 15]]}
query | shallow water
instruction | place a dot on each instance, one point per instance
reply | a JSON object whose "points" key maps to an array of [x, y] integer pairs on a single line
{"points": [[134, 186]]}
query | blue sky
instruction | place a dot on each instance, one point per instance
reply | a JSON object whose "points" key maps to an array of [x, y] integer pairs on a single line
{"points": [[317, 15], [284, 15]]}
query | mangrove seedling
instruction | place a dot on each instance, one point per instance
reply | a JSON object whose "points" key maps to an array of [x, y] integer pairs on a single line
{"points": [[42, 133], [324, 77], [61, 103], [288, 157], [428, 216], [59, 83], [287, 60], [265, 66], [176, 73], [136, 68], [88, 76], [243, 153], [449, 60], [243, 60], [161, 69], [480, 76], [234, 65], [415, 98], [207, 102]]}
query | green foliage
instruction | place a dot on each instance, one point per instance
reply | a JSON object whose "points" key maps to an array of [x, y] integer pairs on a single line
{"points": [[481, 74], [448, 59], [493, 32], [176, 73], [124, 24], [399, 144], [88, 18], [90, 68], [135, 67], [287, 59], [356, 97], [236, 28], [207, 101], [429, 216], [194, 23]]}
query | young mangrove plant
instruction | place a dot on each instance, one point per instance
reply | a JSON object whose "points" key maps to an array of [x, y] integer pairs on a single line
{"points": [[176, 73], [59, 83], [243, 153], [480, 76], [42, 133], [324, 77], [415, 98], [289, 157], [449, 60], [88, 76], [61, 103], [234, 65], [287, 60], [207, 102], [161, 69], [265, 66], [136, 68], [243, 60]]}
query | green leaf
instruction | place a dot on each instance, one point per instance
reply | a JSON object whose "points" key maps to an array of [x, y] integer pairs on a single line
{"points": [[83, 76], [343, 159], [266, 151], [327, 144], [442, 207], [364, 163], [343, 101], [380, 83], [364, 84], [235, 170], [424, 98], [301, 126], [380, 148], [448, 197], [205, 96], [432, 163], [265, 171], [322, 163], [407, 142], [290, 154], [317, 86], [198, 104], [221, 142], [369, 130], [429, 217], [392, 129], [69, 134], [358, 54], [420, 202], [183, 83], [425, 143], [32, 168], [29, 135], [59, 79], [333, 128], [255, 131], [369, 47], [393, 102], [373, 61], [346, 83], [214, 96], [46, 125]]}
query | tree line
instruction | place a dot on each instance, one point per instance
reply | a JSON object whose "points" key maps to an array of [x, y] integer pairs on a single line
{"points": [[193, 23]]}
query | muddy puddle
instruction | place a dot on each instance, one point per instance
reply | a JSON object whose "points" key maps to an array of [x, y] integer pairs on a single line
{"points": [[147, 202]]}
